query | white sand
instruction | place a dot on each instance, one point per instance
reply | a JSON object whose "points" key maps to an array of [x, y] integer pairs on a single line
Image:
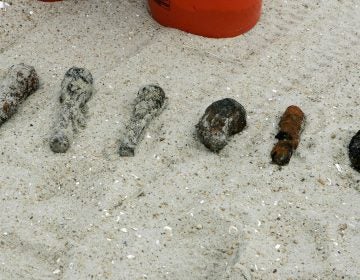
{"points": [[188, 213]]}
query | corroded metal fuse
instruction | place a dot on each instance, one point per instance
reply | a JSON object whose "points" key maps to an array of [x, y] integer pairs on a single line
{"points": [[19, 82], [149, 103], [76, 90], [291, 126]]}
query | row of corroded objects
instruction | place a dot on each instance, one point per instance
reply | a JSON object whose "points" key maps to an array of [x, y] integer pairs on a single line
{"points": [[77, 87], [221, 120], [227, 117]]}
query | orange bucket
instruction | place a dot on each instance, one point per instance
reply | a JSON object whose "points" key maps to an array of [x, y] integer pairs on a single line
{"points": [[209, 18]]}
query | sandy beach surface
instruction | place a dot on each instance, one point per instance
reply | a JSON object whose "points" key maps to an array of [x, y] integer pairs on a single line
{"points": [[177, 210]]}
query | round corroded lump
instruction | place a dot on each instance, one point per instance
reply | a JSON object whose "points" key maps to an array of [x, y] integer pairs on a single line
{"points": [[222, 119]]}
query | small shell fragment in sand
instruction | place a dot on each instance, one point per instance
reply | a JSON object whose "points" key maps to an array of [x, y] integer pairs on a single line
{"points": [[4, 5], [338, 167], [199, 226], [168, 230], [233, 230], [321, 181]]}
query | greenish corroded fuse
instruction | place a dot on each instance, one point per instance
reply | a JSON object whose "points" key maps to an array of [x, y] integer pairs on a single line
{"points": [[76, 90], [19, 82], [149, 103]]}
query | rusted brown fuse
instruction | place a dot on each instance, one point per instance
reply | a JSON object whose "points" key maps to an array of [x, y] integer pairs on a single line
{"points": [[19, 82], [291, 125]]}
